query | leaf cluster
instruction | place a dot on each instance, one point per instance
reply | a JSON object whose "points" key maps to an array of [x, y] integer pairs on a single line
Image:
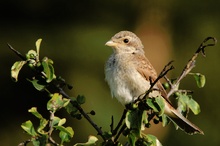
{"points": [[43, 78]]}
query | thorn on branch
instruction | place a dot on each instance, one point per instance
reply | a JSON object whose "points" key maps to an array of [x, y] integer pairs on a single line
{"points": [[203, 45]]}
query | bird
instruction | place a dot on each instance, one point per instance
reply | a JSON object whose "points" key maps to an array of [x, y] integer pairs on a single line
{"points": [[129, 74]]}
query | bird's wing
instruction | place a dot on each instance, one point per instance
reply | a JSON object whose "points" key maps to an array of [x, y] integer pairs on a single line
{"points": [[148, 72]]}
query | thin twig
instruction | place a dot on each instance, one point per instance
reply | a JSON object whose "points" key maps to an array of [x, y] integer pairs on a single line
{"points": [[51, 129], [120, 122], [16, 52], [112, 125], [24, 143], [191, 63], [120, 132], [86, 116]]}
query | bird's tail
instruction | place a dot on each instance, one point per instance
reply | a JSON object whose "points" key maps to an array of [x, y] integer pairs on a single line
{"points": [[184, 123]]}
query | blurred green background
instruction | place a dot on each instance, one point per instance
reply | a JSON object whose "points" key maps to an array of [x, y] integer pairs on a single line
{"points": [[74, 34]]}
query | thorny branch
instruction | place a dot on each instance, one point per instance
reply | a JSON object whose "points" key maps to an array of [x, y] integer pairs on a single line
{"points": [[85, 115], [191, 64]]}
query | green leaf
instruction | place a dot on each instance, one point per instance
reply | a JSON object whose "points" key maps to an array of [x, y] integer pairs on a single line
{"points": [[57, 102], [29, 128], [15, 69], [165, 120], [186, 101], [135, 120], [160, 102], [200, 79], [71, 109], [48, 69], [36, 142], [151, 103], [81, 99], [37, 85], [55, 121], [153, 140], [194, 106], [43, 122], [61, 122], [91, 141], [32, 54], [65, 133], [34, 111], [132, 138], [38, 42], [40, 140]]}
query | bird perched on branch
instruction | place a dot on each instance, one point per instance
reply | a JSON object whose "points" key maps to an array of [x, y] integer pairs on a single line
{"points": [[129, 74]]}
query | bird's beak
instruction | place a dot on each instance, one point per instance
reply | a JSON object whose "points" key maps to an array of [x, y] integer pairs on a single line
{"points": [[110, 43]]}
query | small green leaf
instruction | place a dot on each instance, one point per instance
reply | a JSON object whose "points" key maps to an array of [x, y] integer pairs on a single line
{"points": [[29, 128], [194, 106], [151, 103], [57, 102], [55, 121], [160, 101], [36, 142], [165, 120], [40, 140], [48, 69], [91, 141], [71, 109], [81, 99], [186, 101], [61, 122], [200, 79], [15, 69], [135, 120], [32, 54], [38, 42], [65, 133], [132, 138], [43, 124], [37, 85], [34, 111], [153, 140]]}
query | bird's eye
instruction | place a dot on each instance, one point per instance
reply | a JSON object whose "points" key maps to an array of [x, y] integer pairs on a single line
{"points": [[126, 41]]}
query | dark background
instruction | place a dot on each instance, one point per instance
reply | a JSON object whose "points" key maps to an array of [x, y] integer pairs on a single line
{"points": [[74, 34]]}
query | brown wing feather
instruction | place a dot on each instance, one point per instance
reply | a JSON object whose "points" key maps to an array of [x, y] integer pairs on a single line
{"points": [[145, 68]]}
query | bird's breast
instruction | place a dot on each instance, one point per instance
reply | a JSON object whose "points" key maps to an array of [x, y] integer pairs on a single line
{"points": [[125, 82]]}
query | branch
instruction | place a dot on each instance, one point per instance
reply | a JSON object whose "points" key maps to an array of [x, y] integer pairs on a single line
{"points": [[191, 64], [85, 115], [120, 132], [115, 131]]}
